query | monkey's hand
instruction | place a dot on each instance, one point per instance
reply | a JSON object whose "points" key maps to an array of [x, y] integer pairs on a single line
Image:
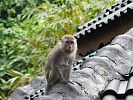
{"points": [[64, 82], [68, 81]]}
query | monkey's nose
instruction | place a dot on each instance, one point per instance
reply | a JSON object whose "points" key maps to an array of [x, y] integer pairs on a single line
{"points": [[70, 48]]}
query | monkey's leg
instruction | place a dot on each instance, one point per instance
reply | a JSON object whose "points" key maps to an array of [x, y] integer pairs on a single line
{"points": [[67, 74], [53, 79], [48, 88], [47, 75], [60, 75]]}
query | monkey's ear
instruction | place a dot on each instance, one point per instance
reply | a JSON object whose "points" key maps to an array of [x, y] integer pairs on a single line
{"points": [[61, 39]]}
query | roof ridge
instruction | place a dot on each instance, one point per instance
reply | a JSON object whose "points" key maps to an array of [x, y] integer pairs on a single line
{"points": [[109, 14]]}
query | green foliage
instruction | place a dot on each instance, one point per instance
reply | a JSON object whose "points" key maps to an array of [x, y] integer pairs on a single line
{"points": [[28, 31]]}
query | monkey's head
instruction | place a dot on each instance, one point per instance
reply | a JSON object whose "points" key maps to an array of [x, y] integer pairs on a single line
{"points": [[69, 43]]}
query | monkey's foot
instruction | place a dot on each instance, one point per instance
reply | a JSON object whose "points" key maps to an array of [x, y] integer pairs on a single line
{"points": [[64, 82], [71, 82]]}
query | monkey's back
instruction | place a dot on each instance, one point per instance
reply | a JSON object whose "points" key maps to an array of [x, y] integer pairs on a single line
{"points": [[50, 72], [51, 59]]}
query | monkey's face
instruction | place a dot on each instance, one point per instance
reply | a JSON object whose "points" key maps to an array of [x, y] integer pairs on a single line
{"points": [[68, 46], [69, 43]]}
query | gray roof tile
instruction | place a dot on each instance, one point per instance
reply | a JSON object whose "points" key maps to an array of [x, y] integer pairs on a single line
{"points": [[119, 89], [108, 15]]}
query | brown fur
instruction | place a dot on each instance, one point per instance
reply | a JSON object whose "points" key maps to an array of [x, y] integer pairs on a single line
{"points": [[60, 61]]}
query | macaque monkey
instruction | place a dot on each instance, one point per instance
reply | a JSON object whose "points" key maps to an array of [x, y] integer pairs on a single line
{"points": [[60, 61]]}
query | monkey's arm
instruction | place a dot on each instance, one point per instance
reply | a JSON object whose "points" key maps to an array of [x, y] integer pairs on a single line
{"points": [[60, 74]]}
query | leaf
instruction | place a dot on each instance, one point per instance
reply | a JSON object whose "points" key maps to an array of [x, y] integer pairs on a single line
{"points": [[12, 80], [14, 73]]}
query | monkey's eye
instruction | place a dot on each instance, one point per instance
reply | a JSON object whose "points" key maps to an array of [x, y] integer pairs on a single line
{"points": [[69, 42]]}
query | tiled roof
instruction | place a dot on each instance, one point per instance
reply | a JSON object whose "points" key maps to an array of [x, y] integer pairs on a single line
{"points": [[119, 89], [96, 71], [107, 16], [117, 52]]}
